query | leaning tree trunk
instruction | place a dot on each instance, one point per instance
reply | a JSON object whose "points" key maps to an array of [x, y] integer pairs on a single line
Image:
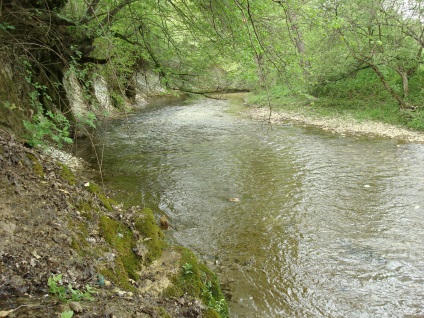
{"points": [[400, 100]]}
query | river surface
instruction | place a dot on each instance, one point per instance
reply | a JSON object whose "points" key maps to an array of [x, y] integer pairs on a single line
{"points": [[326, 225]]}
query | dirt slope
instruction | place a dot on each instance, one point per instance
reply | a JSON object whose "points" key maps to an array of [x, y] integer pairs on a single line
{"points": [[52, 223]]}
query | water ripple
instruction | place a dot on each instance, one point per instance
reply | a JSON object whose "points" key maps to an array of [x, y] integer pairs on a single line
{"points": [[325, 226]]}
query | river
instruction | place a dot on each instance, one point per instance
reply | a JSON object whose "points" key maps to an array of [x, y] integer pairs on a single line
{"points": [[325, 225]]}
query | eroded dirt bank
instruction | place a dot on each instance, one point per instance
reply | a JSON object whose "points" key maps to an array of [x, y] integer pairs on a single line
{"points": [[336, 124], [56, 222]]}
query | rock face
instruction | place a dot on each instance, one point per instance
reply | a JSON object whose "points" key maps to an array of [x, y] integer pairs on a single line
{"points": [[102, 93], [78, 105], [147, 84]]}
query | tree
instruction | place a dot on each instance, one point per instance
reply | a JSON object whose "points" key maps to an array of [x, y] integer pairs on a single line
{"points": [[291, 12], [377, 35]]}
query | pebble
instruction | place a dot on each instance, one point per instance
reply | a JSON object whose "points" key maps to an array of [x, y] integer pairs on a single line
{"points": [[120, 293], [164, 223], [76, 307]]}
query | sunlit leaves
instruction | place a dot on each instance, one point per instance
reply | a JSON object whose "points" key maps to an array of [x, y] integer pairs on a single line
{"points": [[190, 42]]}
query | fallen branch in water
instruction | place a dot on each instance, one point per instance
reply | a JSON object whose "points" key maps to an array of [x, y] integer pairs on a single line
{"points": [[207, 93]]}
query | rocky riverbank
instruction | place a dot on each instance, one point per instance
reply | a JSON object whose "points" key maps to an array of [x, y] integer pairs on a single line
{"points": [[335, 124], [69, 250]]}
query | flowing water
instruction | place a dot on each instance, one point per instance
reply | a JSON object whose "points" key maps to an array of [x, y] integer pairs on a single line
{"points": [[326, 225]]}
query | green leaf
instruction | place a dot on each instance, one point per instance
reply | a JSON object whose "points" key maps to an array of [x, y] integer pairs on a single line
{"points": [[67, 314]]}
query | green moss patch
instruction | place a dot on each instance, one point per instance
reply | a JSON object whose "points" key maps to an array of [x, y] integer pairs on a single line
{"points": [[120, 237], [163, 313], [67, 175], [197, 280], [79, 242], [146, 225], [36, 165], [86, 209], [107, 202]]}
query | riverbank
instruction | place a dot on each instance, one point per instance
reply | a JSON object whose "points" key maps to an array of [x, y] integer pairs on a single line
{"points": [[69, 250], [334, 123]]}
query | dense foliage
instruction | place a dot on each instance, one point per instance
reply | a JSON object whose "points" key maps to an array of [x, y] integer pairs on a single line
{"points": [[364, 49]]}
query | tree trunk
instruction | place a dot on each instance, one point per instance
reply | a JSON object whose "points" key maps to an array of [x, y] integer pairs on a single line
{"points": [[298, 41], [405, 82], [259, 63], [402, 103]]}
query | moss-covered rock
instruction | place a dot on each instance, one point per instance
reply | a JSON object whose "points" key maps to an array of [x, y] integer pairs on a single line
{"points": [[134, 240], [198, 280], [121, 238], [145, 224]]}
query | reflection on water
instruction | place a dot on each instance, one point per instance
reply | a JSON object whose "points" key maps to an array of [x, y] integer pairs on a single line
{"points": [[326, 226]]}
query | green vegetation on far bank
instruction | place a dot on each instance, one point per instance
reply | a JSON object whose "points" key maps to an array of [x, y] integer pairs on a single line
{"points": [[359, 97]]}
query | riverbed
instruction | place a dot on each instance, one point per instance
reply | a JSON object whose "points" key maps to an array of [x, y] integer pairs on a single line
{"points": [[298, 221]]}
